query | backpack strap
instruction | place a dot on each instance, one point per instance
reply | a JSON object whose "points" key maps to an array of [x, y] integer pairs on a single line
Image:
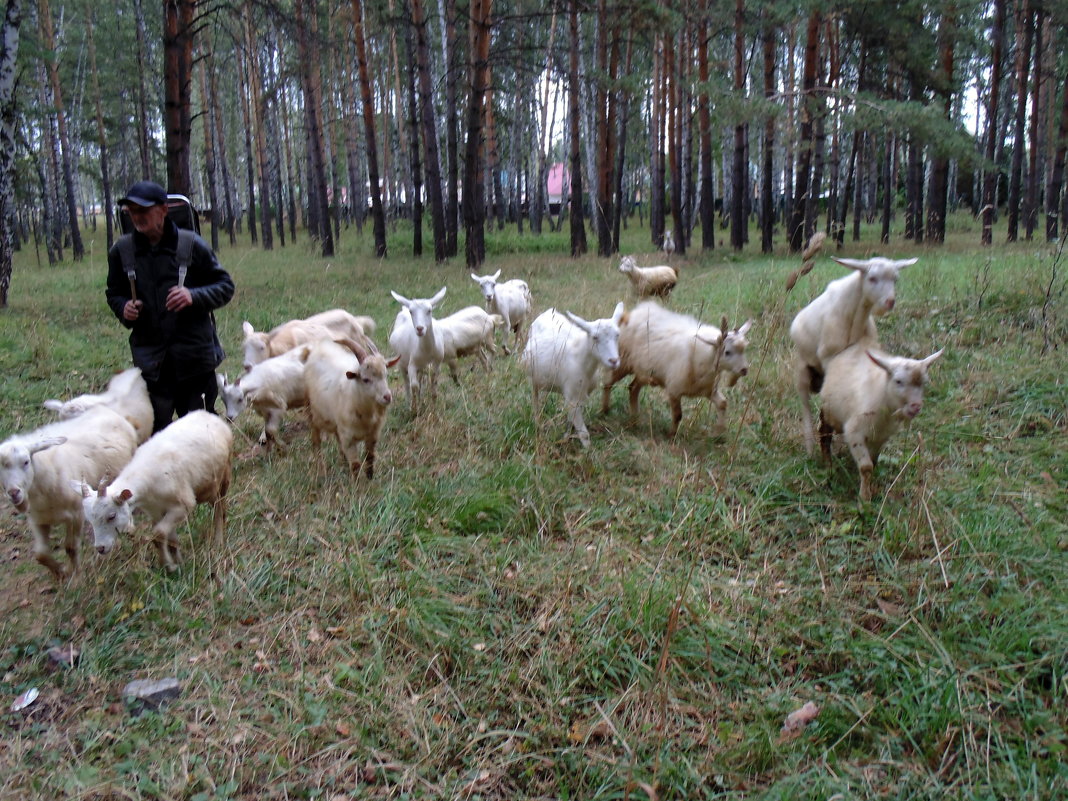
{"points": [[185, 253], [125, 244]]}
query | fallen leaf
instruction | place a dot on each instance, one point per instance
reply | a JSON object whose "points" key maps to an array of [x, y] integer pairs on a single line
{"points": [[585, 731], [887, 608], [343, 729]]}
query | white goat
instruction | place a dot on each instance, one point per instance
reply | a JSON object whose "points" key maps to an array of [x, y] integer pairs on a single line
{"points": [[867, 396], [258, 346], [37, 469], [348, 395], [668, 245], [647, 281], [468, 332], [126, 394], [418, 343], [185, 464], [679, 353], [270, 387], [841, 316], [565, 353], [510, 299]]}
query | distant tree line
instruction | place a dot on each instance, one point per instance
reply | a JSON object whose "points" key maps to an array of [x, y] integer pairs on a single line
{"points": [[291, 118]]}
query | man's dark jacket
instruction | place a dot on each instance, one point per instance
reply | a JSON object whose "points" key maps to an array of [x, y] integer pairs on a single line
{"points": [[186, 338]]}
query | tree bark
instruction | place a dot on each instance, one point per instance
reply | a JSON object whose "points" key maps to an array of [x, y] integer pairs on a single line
{"points": [[767, 201], [1056, 176], [9, 49], [805, 140], [474, 205], [177, 86], [938, 188], [990, 175], [377, 213], [311, 78], [258, 114], [430, 135], [578, 226], [739, 168], [1024, 37], [101, 131], [413, 144]]}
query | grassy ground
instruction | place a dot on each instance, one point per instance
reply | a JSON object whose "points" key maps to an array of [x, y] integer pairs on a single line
{"points": [[501, 615]]}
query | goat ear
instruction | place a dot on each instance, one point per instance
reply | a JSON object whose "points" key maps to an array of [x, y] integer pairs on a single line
{"points": [[576, 320], [438, 297], [122, 497], [474, 278], [905, 263], [496, 275], [745, 328], [220, 381], [861, 265], [53, 405], [45, 444], [881, 362], [617, 315], [392, 362], [927, 362], [403, 301], [247, 329]]}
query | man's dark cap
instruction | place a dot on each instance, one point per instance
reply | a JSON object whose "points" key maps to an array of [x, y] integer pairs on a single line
{"points": [[144, 193]]}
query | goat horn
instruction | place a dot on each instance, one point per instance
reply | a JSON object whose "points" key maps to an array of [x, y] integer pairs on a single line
{"points": [[101, 489]]}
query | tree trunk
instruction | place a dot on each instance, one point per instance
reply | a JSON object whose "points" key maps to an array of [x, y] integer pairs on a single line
{"points": [[258, 114], [805, 139], [990, 175], [578, 226], [177, 87], [48, 41], [430, 134], [413, 144], [938, 188], [656, 161], [377, 213], [1024, 37], [621, 150], [210, 163], [474, 205], [452, 129], [245, 102], [1056, 175], [1039, 111], [220, 138], [143, 126], [9, 48], [311, 79], [739, 168], [101, 131]]}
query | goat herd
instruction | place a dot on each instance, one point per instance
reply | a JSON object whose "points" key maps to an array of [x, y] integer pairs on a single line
{"points": [[58, 474]]}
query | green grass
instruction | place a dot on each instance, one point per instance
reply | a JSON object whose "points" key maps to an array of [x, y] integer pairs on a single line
{"points": [[501, 614]]}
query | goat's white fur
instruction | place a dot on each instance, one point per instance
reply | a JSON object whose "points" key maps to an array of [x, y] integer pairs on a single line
{"points": [[348, 395], [648, 281], [866, 396], [417, 341], [510, 299], [271, 388], [675, 351], [258, 346], [185, 464], [565, 353], [468, 332], [37, 469], [126, 394], [839, 317]]}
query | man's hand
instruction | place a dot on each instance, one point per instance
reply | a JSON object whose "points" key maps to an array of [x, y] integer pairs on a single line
{"points": [[132, 310], [178, 298]]}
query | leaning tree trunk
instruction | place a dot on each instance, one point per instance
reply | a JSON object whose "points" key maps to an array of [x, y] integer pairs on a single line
{"points": [[990, 175], [9, 49], [578, 226], [378, 215], [177, 85]]}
